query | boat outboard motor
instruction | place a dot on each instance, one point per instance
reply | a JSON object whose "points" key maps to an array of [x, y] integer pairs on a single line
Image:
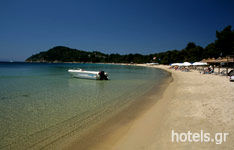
{"points": [[103, 75]]}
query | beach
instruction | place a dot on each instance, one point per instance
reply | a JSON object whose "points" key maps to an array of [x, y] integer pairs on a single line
{"points": [[189, 102]]}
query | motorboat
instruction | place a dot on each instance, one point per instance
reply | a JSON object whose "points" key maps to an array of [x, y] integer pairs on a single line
{"points": [[95, 75]]}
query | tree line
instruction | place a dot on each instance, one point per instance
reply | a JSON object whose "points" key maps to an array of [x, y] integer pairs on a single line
{"points": [[221, 47]]}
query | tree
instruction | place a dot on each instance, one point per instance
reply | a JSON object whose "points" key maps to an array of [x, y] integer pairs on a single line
{"points": [[225, 41], [190, 45], [211, 51], [223, 45]]}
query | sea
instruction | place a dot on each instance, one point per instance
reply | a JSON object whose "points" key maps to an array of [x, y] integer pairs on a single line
{"points": [[41, 105]]}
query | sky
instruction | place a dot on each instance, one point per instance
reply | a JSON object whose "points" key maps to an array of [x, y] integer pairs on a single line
{"points": [[109, 26]]}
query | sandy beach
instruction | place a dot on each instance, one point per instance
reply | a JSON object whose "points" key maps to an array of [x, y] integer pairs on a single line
{"points": [[191, 102]]}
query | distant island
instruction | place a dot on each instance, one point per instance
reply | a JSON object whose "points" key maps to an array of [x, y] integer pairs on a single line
{"points": [[223, 46]]}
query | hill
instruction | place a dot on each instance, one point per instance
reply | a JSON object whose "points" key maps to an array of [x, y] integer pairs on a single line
{"points": [[66, 54], [222, 46]]}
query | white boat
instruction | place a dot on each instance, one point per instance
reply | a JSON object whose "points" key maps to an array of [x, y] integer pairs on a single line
{"points": [[95, 75]]}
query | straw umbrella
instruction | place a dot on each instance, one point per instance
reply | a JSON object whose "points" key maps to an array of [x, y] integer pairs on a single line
{"points": [[210, 61]]}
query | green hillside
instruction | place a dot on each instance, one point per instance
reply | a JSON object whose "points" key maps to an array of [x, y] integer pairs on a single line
{"points": [[222, 46]]}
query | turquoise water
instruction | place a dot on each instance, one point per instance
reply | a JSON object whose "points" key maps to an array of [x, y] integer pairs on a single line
{"points": [[40, 104]]}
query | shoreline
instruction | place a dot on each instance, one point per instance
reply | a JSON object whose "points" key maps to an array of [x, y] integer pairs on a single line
{"points": [[192, 102], [145, 130], [115, 127]]}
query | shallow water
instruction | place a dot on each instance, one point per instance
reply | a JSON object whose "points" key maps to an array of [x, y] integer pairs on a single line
{"points": [[41, 103]]}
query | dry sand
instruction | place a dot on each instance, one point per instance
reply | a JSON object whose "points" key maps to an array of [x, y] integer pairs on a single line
{"points": [[192, 102]]}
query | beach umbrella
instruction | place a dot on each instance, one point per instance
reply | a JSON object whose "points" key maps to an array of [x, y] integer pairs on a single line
{"points": [[176, 64], [181, 64], [173, 64], [199, 64], [186, 64]]}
